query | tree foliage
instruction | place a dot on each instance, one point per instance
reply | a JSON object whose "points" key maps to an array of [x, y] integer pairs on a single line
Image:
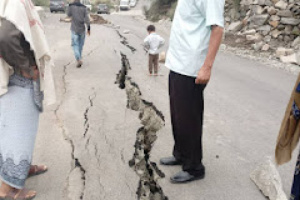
{"points": [[167, 2], [41, 2], [161, 8]]}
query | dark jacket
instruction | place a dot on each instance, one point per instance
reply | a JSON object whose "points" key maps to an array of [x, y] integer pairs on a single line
{"points": [[14, 49], [80, 16]]}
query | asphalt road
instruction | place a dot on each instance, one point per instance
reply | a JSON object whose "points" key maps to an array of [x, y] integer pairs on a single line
{"points": [[87, 138]]}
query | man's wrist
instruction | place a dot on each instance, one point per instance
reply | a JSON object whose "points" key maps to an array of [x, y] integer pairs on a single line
{"points": [[207, 65]]}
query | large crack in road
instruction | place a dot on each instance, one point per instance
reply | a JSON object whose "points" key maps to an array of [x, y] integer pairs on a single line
{"points": [[152, 120], [76, 164], [125, 42], [78, 171], [65, 135]]}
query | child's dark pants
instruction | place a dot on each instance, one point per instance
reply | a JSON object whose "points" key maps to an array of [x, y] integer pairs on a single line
{"points": [[153, 63]]}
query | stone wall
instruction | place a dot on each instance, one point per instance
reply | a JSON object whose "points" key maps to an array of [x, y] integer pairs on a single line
{"points": [[272, 25]]}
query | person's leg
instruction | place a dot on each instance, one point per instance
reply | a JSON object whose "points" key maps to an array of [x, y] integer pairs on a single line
{"points": [[18, 128], [172, 94], [75, 45], [150, 64], [155, 63], [188, 103], [176, 158], [81, 44], [193, 147]]}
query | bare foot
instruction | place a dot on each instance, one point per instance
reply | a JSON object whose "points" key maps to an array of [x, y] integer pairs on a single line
{"points": [[8, 191], [37, 170]]}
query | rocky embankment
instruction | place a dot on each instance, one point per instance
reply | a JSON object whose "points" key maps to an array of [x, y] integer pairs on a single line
{"points": [[266, 26]]}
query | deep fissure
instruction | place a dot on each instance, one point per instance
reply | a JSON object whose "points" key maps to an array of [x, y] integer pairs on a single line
{"points": [[152, 120], [125, 42]]}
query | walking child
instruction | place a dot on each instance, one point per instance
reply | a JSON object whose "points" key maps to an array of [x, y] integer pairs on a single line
{"points": [[153, 42]]}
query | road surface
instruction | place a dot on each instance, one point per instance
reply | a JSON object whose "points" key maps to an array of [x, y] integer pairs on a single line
{"points": [[87, 138]]}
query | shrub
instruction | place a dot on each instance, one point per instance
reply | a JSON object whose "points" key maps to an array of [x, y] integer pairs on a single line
{"points": [[160, 8], [171, 12], [41, 2]]}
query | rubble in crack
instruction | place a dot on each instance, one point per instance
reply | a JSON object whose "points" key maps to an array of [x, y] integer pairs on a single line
{"points": [[121, 76], [134, 94], [267, 25], [97, 19], [152, 120], [94, 19]]}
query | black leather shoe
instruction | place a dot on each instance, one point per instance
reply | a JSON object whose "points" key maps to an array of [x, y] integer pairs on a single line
{"points": [[170, 161], [184, 177]]}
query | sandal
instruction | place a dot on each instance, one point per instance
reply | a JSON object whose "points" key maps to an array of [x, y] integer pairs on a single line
{"points": [[18, 195], [37, 170]]}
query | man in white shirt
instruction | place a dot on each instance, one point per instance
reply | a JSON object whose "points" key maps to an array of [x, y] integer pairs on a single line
{"points": [[195, 39], [153, 42]]}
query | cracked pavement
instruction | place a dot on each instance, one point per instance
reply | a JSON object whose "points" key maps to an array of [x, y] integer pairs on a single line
{"points": [[153, 121], [87, 138]]}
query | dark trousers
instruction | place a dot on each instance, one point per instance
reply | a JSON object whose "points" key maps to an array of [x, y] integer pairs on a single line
{"points": [[153, 63], [187, 106]]}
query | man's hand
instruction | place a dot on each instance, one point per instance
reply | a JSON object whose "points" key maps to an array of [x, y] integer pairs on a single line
{"points": [[35, 76], [89, 33], [203, 75]]}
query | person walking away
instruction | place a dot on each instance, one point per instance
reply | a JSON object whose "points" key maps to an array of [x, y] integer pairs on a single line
{"points": [[196, 35], [288, 138], [25, 70], [80, 16], [153, 42]]}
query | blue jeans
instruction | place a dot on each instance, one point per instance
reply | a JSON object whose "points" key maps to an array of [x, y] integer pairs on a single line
{"points": [[77, 44], [296, 186]]}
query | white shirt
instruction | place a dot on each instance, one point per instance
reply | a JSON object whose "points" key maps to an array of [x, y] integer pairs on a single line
{"points": [[190, 34], [153, 43]]}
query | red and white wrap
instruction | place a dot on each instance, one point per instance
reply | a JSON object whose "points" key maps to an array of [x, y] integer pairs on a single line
{"points": [[23, 15]]}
